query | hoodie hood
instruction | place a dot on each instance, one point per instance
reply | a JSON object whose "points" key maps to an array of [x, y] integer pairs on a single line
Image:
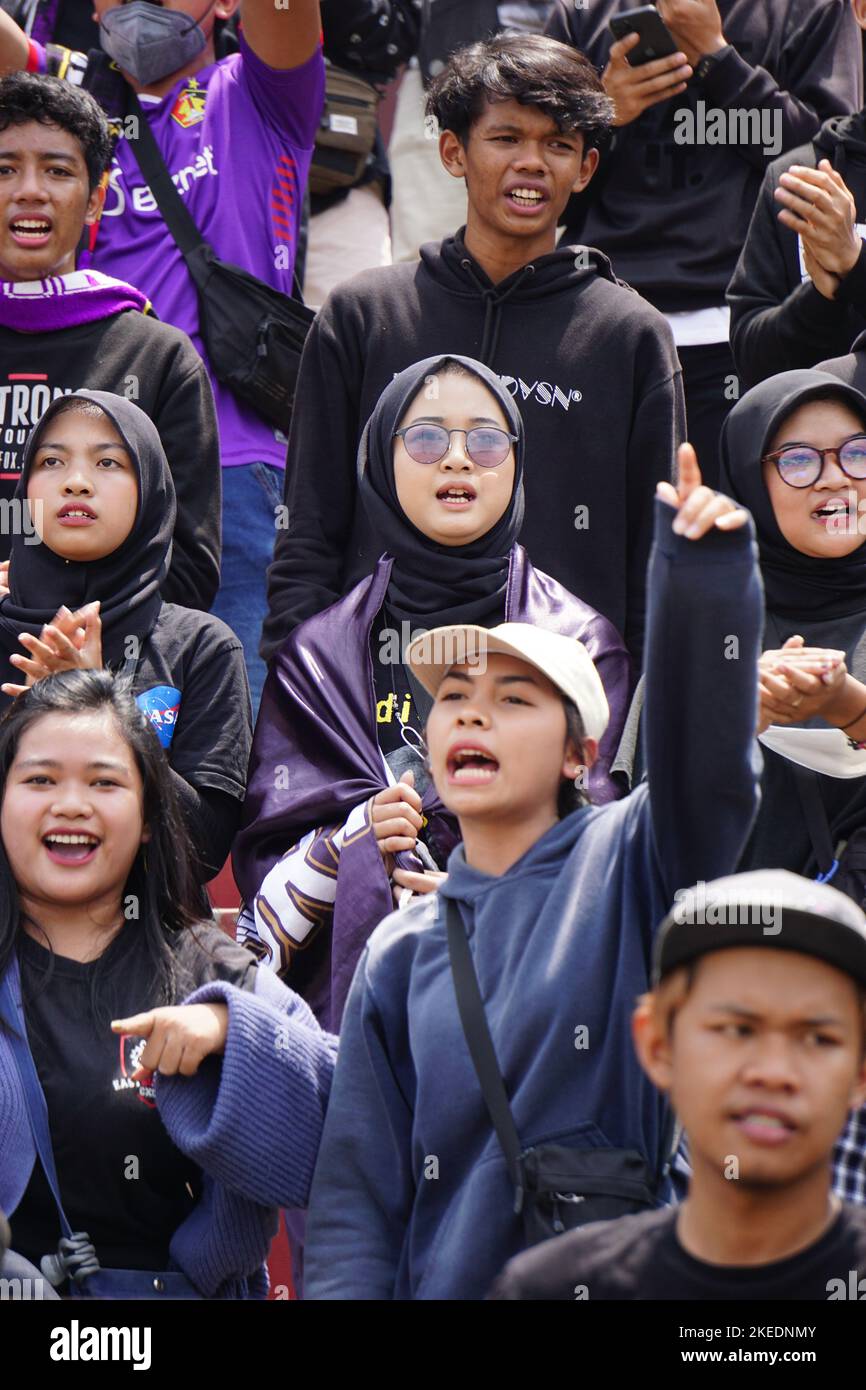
{"points": [[542, 863], [841, 139], [457, 271]]}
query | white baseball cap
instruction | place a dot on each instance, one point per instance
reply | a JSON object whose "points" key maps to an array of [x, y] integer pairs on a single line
{"points": [[563, 660]]}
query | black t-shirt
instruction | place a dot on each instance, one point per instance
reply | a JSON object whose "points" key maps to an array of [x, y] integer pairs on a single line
{"points": [[400, 701], [121, 1178], [191, 681], [639, 1257]]}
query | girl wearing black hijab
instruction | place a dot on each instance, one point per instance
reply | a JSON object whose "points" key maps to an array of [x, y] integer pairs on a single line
{"points": [[340, 807], [85, 579], [794, 453]]}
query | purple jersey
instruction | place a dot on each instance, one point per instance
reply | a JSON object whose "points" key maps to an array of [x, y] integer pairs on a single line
{"points": [[237, 139]]}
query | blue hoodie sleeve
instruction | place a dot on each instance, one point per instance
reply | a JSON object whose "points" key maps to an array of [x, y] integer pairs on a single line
{"points": [[363, 1188], [704, 631], [252, 1120]]}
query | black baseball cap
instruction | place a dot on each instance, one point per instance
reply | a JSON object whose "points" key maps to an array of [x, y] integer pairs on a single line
{"points": [[770, 908]]}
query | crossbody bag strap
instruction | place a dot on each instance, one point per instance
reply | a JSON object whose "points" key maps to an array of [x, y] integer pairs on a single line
{"points": [[470, 1006], [815, 815], [175, 213], [12, 1015], [148, 156]]}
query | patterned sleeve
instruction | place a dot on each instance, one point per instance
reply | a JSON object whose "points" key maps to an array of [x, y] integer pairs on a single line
{"points": [[297, 896], [53, 60]]}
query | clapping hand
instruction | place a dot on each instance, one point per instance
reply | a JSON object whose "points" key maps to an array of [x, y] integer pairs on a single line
{"points": [[70, 642], [797, 682], [819, 207]]}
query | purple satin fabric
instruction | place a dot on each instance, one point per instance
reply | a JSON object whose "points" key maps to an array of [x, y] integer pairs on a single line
{"points": [[316, 755]]}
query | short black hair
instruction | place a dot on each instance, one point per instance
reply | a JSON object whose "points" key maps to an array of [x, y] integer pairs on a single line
{"points": [[531, 69], [28, 96]]}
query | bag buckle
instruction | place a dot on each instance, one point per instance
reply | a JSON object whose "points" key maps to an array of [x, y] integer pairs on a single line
{"points": [[76, 1260]]}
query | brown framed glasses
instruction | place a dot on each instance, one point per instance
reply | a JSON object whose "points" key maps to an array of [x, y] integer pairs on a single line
{"points": [[801, 465]]}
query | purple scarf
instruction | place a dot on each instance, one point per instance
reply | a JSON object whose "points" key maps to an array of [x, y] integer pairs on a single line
{"points": [[318, 720], [65, 301]]}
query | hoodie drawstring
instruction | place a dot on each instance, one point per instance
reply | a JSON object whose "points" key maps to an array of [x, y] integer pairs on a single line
{"points": [[493, 301]]}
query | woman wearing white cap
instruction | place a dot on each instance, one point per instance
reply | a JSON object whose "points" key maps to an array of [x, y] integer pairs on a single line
{"points": [[431, 1174]]}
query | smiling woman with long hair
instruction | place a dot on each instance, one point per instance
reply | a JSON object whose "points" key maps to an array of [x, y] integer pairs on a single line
{"points": [[150, 1031]]}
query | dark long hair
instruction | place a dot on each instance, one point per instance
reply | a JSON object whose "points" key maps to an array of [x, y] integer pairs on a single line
{"points": [[160, 880]]}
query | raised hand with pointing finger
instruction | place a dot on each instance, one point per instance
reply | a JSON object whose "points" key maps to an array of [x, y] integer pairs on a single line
{"points": [[699, 508]]}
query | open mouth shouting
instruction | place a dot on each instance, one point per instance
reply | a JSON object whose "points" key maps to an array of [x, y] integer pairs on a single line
{"points": [[835, 513], [767, 1127], [71, 847], [527, 198], [76, 514], [470, 765], [31, 231], [456, 496]]}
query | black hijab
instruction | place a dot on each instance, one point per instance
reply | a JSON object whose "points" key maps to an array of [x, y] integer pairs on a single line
{"points": [[430, 583], [798, 587], [126, 582]]}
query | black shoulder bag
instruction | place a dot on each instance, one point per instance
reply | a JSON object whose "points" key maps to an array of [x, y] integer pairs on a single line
{"points": [[254, 335], [556, 1188]]}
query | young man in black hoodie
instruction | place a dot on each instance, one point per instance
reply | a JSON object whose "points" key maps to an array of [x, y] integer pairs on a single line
{"points": [[799, 290], [61, 329], [694, 134], [590, 364]]}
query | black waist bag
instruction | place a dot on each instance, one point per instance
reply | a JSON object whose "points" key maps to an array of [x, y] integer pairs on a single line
{"points": [[556, 1188], [253, 334]]}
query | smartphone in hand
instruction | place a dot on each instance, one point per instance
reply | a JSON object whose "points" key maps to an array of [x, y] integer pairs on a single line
{"points": [[655, 37]]}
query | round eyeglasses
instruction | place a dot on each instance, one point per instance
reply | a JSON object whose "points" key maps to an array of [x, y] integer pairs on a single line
{"points": [[801, 465], [486, 445]]}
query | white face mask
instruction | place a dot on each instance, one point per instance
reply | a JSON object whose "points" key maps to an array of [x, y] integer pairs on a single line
{"points": [[150, 42]]}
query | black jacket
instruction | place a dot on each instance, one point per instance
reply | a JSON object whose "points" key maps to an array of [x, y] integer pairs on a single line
{"points": [[156, 365], [593, 369], [779, 321], [673, 217]]}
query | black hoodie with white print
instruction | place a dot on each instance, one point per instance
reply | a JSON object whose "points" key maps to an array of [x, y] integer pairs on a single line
{"points": [[779, 321], [592, 368]]}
